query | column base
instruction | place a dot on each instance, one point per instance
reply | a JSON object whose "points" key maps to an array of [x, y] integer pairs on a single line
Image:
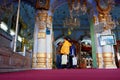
{"points": [[109, 60], [110, 67], [99, 60], [100, 66]]}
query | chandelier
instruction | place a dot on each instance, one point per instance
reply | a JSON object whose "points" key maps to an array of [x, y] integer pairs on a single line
{"points": [[75, 8], [72, 23]]}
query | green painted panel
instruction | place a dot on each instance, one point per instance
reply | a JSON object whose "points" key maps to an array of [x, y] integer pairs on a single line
{"points": [[93, 44]]}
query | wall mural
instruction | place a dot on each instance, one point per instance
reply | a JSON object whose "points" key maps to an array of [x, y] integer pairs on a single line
{"points": [[8, 13]]}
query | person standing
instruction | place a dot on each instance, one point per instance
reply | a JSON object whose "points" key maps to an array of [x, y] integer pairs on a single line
{"points": [[58, 55], [65, 50], [72, 56]]}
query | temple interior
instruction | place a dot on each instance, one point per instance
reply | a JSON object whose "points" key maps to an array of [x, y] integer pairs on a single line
{"points": [[31, 30]]}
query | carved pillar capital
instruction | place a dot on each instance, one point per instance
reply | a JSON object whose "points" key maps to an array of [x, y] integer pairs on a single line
{"points": [[42, 15]]}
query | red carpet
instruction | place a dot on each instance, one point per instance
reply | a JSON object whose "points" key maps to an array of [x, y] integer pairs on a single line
{"points": [[63, 74]]}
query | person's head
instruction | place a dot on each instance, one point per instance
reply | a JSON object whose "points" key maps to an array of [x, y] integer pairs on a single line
{"points": [[60, 43], [67, 38]]}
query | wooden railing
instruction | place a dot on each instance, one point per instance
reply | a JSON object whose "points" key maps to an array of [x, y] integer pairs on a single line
{"points": [[11, 60]]}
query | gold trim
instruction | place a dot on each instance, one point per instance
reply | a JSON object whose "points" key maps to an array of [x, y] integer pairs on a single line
{"points": [[41, 66], [94, 19], [99, 59], [41, 35], [108, 63], [107, 54], [100, 66], [41, 63], [43, 14], [99, 54], [49, 55], [102, 10], [108, 59], [49, 20], [41, 60], [43, 19], [41, 54], [41, 27], [44, 7]]}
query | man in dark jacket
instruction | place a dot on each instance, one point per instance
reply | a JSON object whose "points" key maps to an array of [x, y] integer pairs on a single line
{"points": [[58, 55], [72, 54]]}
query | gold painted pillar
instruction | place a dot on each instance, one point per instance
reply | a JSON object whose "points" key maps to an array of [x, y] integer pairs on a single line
{"points": [[49, 35], [105, 23], [39, 53], [108, 57], [108, 54]]}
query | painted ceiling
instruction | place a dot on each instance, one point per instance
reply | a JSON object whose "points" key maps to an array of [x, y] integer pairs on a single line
{"points": [[8, 10]]}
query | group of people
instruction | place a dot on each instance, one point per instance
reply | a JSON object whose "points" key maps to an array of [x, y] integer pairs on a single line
{"points": [[66, 55]]}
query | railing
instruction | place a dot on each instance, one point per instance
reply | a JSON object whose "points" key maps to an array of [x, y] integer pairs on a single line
{"points": [[10, 60], [6, 38]]}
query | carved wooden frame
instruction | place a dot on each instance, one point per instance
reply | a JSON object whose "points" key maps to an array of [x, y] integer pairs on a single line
{"points": [[46, 7], [103, 10]]}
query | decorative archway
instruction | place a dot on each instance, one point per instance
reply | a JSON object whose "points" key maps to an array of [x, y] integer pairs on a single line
{"points": [[41, 57]]}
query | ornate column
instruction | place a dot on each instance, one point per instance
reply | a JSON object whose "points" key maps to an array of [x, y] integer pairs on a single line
{"points": [[105, 24], [40, 56]]}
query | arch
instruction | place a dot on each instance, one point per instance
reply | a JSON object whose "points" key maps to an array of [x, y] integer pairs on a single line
{"points": [[55, 4]]}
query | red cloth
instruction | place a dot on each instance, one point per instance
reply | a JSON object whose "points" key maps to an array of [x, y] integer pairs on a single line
{"points": [[64, 74]]}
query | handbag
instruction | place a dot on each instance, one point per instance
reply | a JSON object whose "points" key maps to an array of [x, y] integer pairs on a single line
{"points": [[74, 61], [64, 60]]}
